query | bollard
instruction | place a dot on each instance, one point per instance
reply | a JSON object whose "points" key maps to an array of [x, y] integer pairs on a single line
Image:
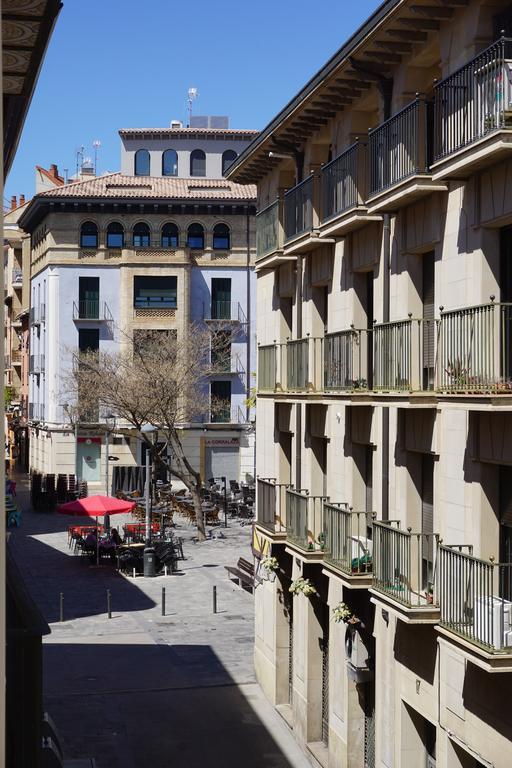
{"points": [[214, 595], [163, 601], [134, 573], [61, 602], [109, 604], [165, 570]]}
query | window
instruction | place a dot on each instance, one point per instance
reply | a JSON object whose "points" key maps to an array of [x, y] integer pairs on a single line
{"points": [[170, 163], [142, 162], [227, 158], [115, 235], [195, 237], [88, 298], [155, 292], [221, 237], [88, 339], [144, 340], [197, 163], [141, 236], [170, 236], [89, 235], [220, 355], [221, 298], [220, 396]]}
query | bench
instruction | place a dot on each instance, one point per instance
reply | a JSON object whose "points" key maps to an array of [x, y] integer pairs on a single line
{"points": [[244, 573]]}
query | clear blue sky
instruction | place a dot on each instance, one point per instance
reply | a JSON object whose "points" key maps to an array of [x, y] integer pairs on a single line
{"points": [[115, 64]]}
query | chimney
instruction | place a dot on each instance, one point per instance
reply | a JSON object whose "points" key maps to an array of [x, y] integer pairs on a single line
{"points": [[22, 199], [14, 204], [54, 171]]}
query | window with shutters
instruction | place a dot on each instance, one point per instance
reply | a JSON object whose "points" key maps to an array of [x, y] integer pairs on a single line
{"points": [[428, 320]]}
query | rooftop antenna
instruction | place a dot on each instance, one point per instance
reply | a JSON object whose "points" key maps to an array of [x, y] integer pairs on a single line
{"points": [[192, 96], [79, 158], [65, 175], [96, 144]]}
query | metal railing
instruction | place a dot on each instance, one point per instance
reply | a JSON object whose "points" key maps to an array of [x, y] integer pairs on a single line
{"points": [[404, 564], [7, 361], [404, 355], [267, 367], [298, 209], [348, 542], [297, 364], [475, 100], [224, 309], [304, 520], [343, 181], [269, 229], [86, 309], [271, 504], [345, 360], [476, 599], [36, 364], [400, 147], [474, 350], [17, 276], [37, 315]]}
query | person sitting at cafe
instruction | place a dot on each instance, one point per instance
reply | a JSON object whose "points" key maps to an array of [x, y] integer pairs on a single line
{"points": [[115, 537], [91, 539]]}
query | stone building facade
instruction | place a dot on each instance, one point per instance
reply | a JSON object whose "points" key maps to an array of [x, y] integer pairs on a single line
{"points": [[384, 289], [115, 254]]}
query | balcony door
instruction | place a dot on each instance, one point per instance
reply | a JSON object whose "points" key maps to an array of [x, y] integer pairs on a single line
{"points": [[428, 297], [506, 303], [89, 297], [220, 393], [427, 520], [505, 501], [221, 298]]}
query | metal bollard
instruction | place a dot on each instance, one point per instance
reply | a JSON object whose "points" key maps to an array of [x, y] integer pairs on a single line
{"points": [[109, 604], [163, 601], [61, 606], [214, 595]]}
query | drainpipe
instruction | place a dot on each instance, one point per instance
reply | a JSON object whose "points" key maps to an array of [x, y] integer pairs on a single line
{"points": [[385, 409], [248, 303]]}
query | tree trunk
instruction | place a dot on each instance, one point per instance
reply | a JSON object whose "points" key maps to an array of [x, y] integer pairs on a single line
{"points": [[196, 496]]}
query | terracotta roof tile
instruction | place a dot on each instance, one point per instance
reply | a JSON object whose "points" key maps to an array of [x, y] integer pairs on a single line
{"points": [[115, 185]]}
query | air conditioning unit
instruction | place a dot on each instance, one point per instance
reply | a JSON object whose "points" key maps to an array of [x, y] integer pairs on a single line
{"points": [[355, 649], [360, 546], [492, 621]]}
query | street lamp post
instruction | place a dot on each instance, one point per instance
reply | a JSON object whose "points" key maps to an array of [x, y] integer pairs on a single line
{"points": [[149, 552], [110, 425]]}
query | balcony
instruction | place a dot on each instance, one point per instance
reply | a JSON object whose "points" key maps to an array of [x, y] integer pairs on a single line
{"points": [[348, 544], [17, 278], [36, 364], [36, 411], [473, 114], [304, 522], [270, 234], [87, 309], [271, 506], [344, 192], [267, 367], [404, 355], [224, 311], [476, 605], [404, 571], [37, 315], [226, 364], [475, 350], [304, 365], [346, 361], [400, 153], [16, 357], [301, 217]]}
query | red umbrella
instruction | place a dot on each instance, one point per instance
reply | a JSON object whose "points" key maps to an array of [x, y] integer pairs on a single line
{"points": [[96, 506]]}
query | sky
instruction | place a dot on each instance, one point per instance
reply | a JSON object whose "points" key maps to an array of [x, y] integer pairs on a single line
{"points": [[115, 64]]}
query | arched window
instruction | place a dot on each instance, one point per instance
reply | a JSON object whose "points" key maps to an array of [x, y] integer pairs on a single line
{"points": [[170, 163], [115, 235], [197, 163], [227, 158], [195, 237], [170, 236], [88, 235], [141, 236], [142, 162], [221, 238]]}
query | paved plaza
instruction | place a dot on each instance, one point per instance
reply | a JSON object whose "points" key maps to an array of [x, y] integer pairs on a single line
{"points": [[142, 689]]}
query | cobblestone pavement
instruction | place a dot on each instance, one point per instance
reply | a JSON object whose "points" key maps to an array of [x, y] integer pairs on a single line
{"points": [[142, 689]]}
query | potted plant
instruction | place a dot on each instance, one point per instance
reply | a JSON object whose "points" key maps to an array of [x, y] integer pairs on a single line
{"points": [[342, 613], [303, 586], [270, 565]]}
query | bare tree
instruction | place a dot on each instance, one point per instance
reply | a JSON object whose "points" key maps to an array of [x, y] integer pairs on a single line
{"points": [[155, 378]]}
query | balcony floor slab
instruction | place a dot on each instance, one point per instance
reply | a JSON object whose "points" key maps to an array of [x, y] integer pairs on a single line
{"points": [[363, 581], [491, 662], [304, 555], [348, 221], [404, 193], [427, 614], [308, 241], [272, 260], [487, 151]]}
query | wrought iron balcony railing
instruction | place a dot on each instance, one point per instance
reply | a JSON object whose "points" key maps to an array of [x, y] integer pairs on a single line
{"points": [[400, 147], [269, 229], [224, 310], [346, 360], [86, 309], [405, 564], [476, 599], [267, 367], [475, 100], [36, 364], [348, 539], [271, 504], [17, 277], [37, 315], [298, 209], [304, 520], [475, 349], [404, 355], [344, 182]]}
